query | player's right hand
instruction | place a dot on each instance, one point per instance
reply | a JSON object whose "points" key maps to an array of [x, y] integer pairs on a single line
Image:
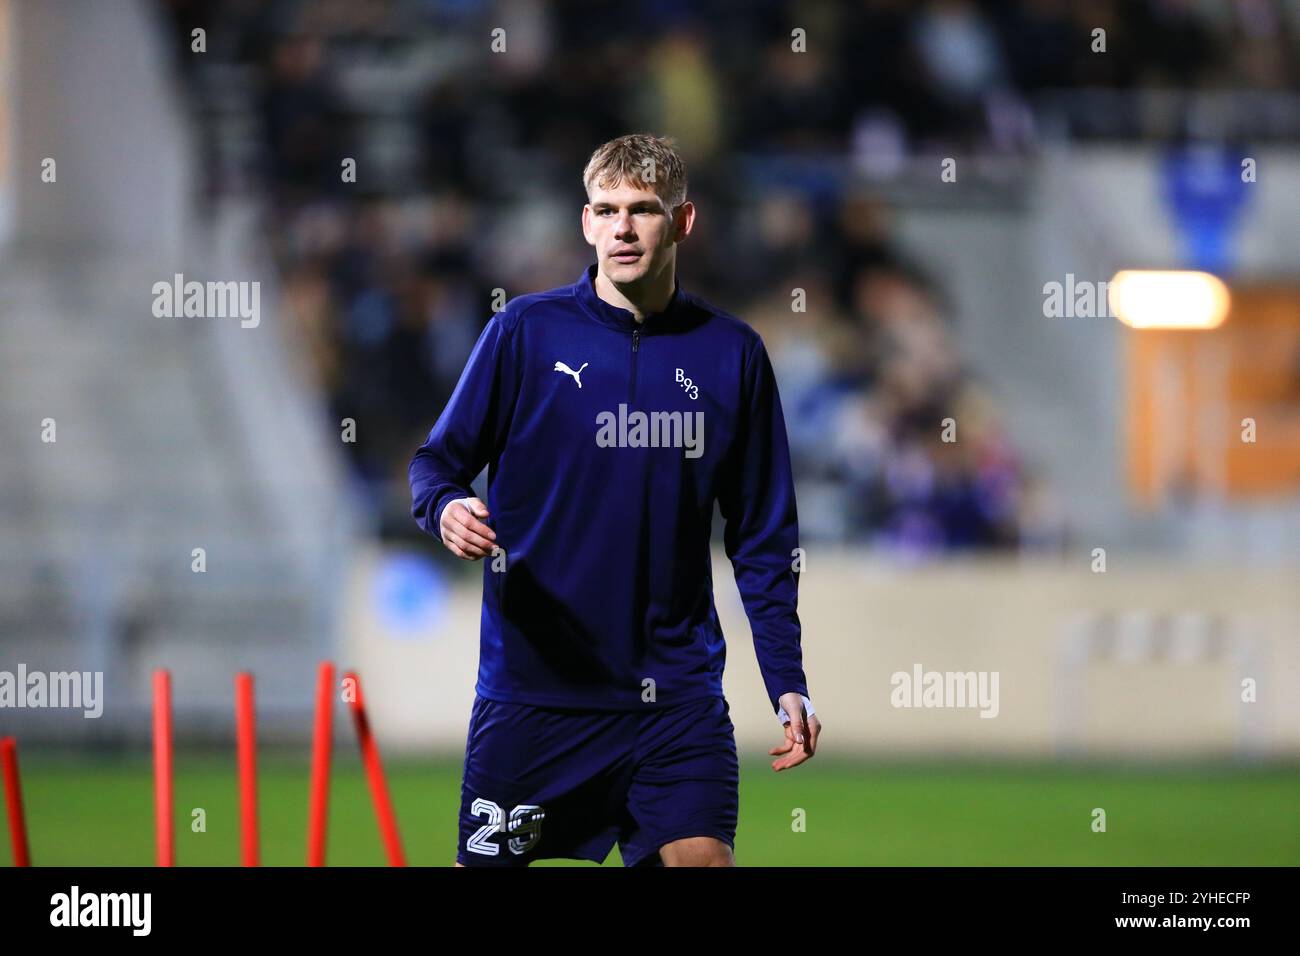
{"points": [[463, 534]]}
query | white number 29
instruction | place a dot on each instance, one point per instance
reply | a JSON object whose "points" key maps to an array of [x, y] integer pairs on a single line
{"points": [[525, 827]]}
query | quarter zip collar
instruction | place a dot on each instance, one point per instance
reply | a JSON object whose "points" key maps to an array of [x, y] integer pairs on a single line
{"points": [[622, 319]]}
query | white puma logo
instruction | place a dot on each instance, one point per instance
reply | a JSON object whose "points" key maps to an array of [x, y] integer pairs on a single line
{"points": [[561, 367]]}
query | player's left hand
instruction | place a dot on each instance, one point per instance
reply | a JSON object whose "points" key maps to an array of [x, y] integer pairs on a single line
{"points": [[800, 734]]}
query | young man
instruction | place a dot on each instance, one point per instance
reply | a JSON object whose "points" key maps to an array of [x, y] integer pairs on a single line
{"points": [[612, 414]]}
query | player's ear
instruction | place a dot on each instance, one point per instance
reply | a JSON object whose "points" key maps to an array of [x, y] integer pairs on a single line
{"points": [[586, 225], [683, 221]]}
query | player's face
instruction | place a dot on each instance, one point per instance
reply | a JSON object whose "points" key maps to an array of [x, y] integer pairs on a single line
{"points": [[632, 231]]}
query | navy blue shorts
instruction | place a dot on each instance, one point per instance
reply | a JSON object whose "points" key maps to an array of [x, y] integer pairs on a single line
{"points": [[544, 782]]}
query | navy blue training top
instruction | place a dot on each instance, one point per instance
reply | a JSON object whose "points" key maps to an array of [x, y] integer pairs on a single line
{"points": [[607, 442]]}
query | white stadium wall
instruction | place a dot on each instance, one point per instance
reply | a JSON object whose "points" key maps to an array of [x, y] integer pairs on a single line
{"points": [[1139, 661]]}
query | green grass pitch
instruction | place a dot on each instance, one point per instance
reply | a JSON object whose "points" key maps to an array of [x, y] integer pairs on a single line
{"points": [[86, 813]]}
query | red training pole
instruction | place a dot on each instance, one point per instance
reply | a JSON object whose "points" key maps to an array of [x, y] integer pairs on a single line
{"points": [[14, 801], [246, 752], [375, 774], [322, 740], [164, 822]]}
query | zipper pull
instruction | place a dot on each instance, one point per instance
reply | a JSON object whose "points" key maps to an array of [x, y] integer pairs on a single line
{"points": [[636, 337]]}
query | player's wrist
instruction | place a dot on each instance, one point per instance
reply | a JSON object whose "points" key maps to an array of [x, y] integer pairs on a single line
{"points": [[784, 718]]}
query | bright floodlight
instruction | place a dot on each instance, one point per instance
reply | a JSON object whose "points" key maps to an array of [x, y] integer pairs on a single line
{"points": [[1168, 300]]}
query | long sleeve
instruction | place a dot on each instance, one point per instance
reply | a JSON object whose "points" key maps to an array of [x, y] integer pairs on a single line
{"points": [[470, 430], [762, 530]]}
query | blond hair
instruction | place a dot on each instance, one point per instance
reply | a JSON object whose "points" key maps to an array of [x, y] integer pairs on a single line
{"points": [[639, 159]]}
